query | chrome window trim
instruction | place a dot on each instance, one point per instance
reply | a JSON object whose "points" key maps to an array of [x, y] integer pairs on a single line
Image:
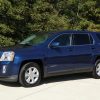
{"points": [[84, 44], [71, 40], [59, 36], [92, 38]]}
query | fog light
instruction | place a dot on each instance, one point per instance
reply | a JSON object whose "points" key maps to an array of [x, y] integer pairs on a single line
{"points": [[4, 69]]}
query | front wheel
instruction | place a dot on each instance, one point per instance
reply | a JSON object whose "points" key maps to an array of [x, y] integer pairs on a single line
{"points": [[96, 70], [30, 75]]}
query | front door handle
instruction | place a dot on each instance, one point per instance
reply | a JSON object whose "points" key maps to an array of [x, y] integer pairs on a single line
{"points": [[92, 48]]}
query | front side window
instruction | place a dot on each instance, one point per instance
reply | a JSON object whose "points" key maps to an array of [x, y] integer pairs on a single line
{"points": [[63, 40], [80, 39]]}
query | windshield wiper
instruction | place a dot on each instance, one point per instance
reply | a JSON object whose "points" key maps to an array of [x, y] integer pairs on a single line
{"points": [[26, 44]]}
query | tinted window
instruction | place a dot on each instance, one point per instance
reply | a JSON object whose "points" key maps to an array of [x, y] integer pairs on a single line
{"points": [[63, 40], [81, 39]]}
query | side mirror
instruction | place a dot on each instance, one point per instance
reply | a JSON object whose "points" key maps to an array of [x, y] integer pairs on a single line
{"points": [[54, 45]]}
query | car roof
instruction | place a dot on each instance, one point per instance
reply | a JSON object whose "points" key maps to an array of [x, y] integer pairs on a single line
{"points": [[75, 31], [72, 32], [55, 33], [65, 31]]}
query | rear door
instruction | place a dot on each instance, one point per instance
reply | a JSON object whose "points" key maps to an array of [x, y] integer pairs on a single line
{"points": [[82, 45]]}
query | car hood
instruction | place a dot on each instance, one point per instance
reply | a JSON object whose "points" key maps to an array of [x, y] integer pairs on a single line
{"points": [[14, 47]]}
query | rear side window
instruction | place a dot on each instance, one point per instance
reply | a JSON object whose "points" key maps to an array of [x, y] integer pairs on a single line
{"points": [[80, 39]]}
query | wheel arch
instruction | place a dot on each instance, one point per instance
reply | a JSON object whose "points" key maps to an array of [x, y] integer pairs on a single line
{"points": [[38, 61], [97, 58]]}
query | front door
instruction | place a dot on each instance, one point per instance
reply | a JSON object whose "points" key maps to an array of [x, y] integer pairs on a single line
{"points": [[59, 54]]}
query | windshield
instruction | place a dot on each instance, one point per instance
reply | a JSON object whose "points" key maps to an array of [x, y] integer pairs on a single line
{"points": [[35, 39]]}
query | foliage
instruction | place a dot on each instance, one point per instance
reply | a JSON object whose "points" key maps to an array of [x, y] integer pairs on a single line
{"points": [[4, 41], [19, 18]]}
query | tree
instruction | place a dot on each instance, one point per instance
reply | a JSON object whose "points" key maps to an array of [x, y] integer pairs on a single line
{"points": [[19, 18]]}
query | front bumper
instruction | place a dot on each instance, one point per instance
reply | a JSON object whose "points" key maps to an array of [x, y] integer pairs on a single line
{"points": [[10, 72], [13, 78]]}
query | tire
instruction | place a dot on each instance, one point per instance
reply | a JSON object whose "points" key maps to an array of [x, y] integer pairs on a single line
{"points": [[30, 75], [96, 70]]}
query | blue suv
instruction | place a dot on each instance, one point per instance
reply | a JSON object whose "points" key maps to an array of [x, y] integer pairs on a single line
{"points": [[44, 55]]}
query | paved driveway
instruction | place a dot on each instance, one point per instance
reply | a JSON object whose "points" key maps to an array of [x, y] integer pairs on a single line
{"points": [[68, 87]]}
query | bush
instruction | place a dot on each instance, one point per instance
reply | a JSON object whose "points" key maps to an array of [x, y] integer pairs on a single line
{"points": [[4, 41], [20, 18]]}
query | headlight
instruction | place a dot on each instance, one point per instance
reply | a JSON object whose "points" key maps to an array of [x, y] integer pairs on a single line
{"points": [[7, 56]]}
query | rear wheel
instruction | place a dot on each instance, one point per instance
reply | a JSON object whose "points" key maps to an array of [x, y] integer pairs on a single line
{"points": [[30, 75], [96, 70]]}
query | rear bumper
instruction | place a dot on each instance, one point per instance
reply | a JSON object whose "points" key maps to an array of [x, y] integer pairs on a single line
{"points": [[13, 78]]}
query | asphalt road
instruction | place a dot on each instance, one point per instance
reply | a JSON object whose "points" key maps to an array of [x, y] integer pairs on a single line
{"points": [[67, 87]]}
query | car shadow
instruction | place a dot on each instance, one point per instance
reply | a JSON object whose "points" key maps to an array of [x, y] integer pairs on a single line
{"points": [[69, 77], [53, 79], [10, 84]]}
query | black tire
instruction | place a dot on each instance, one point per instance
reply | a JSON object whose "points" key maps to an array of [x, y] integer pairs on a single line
{"points": [[95, 75], [24, 68]]}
